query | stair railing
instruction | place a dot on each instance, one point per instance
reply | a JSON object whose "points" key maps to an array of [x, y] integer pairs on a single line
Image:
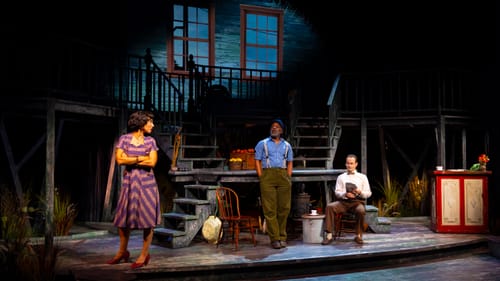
{"points": [[145, 86], [333, 113]]}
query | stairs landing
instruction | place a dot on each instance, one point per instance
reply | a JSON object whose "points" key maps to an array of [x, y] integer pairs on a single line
{"points": [[375, 223]]}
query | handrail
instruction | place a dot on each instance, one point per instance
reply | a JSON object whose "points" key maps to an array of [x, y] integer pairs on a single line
{"points": [[333, 110], [404, 93], [333, 92], [160, 94]]}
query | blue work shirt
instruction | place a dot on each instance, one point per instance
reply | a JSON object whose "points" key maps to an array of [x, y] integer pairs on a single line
{"points": [[276, 152]]}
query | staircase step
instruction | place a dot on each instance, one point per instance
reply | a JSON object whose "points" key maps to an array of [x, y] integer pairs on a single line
{"points": [[192, 201], [201, 191], [180, 216], [196, 135], [312, 147], [313, 136], [181, 225], [312, 126], [384, 220], [202, 159], [198, 146], [383, 225], [169, 232], [311, 159], [310, 137], [191, 206], [377, 224], [200, 186], [190, 163], [371, 217], [171, 238], [179, 221]]}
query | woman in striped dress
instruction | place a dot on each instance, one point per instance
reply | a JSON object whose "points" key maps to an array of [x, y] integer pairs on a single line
{"points": [[139, 202]]}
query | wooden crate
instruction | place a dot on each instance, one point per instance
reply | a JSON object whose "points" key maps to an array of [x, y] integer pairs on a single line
{"points": [[249, 161], [235, 165], [247, 157]]}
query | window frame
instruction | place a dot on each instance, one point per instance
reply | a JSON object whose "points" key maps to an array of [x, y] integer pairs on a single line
{"points": [[171, 38], [279, 14]]}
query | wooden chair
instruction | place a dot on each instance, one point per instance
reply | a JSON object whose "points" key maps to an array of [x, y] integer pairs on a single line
{"points": [[346, 223], [232, 220]]}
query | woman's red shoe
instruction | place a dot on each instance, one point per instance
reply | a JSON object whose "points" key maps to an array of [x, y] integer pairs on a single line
{"points": [[124, 256], [140, 264]]}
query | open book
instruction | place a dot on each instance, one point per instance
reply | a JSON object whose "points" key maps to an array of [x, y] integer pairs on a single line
{"points": [[350, 187]]}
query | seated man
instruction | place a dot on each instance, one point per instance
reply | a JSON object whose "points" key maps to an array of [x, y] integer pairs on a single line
{"points": [[351, 190]]}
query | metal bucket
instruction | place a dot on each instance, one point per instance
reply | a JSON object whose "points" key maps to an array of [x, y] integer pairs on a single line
{"points": [[312, 228]]}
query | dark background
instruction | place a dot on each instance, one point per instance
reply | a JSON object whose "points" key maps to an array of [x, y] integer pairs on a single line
{"points": [[360, 35]]}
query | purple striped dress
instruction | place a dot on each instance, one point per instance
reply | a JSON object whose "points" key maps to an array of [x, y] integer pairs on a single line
{"points": [[139, 202]]}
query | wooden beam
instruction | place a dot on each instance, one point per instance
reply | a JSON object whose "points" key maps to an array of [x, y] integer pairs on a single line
{"points": [[386, 175], [49, 179], [122, 128], [32, 151], [442, 142], [106, 216], [401, 152], [364, 149], [464, 148]]}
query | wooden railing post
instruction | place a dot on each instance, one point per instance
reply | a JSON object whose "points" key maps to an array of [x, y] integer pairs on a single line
{"points": [[191, 65], [148, 59]]}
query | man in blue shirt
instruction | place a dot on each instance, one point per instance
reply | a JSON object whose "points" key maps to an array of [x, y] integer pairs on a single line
{"points": [[274, 165]]}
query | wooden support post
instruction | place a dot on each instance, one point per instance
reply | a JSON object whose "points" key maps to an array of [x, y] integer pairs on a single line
{"points": [[364, 145], [383, 157], [49, 179], [106, 216]]}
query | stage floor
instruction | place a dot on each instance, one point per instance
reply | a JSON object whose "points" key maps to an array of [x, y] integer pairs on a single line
{"points": [[409, 251]]}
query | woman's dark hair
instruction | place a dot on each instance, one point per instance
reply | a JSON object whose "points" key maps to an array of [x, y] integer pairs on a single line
{"points": [[138, 119]]}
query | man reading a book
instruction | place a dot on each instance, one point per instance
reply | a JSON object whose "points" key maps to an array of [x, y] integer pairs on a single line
{"points": [[351, 190]]}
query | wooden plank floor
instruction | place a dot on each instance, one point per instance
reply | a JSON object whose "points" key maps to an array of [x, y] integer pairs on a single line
{"points": [[410, 240]]}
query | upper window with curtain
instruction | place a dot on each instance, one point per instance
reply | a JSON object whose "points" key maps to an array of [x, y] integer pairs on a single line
{"points": [[192, 34], [262, 40]]}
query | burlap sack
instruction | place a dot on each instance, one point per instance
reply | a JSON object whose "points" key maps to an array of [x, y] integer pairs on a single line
{"points": [[211, 229]]}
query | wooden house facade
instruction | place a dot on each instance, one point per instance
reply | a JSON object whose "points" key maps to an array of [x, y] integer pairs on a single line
{"points": [[217, 72]]}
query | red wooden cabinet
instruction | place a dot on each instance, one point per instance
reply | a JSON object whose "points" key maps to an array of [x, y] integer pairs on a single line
{"points": [[459, 201]]}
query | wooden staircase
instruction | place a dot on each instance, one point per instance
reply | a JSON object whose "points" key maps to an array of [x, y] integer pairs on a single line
{"points": [[186, 219], [198, 149], [315, 142]]}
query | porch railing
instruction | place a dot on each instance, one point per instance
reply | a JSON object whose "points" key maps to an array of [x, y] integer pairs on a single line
{"points": [[404, 93]]}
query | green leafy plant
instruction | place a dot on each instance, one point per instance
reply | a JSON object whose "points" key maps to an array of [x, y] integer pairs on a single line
{"points": [[65, 213], [483, 159], [15, 232], [388, 205], [418, 194], [19, 257]]}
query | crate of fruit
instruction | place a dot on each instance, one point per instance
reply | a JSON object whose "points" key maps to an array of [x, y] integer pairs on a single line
{"points": [[249, 163], [235, 164], [247, 157]]}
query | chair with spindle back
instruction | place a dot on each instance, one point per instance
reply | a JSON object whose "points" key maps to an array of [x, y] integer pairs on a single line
{"points": [[232, 221]]}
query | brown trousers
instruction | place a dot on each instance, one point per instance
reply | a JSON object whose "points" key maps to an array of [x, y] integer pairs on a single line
{"points": [[342, 206]]}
